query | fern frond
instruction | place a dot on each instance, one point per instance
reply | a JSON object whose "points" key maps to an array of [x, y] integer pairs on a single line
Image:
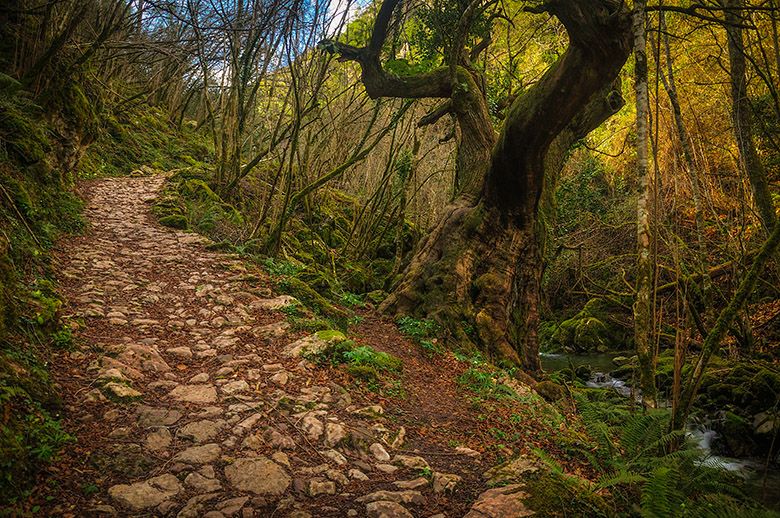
{"points": [[661, 496], [621, 478]]}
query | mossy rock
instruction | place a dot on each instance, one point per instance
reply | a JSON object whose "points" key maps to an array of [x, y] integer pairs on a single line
{"points": [[319, 280], [365, 373], [583, 372], [199, 189], [590, 330], [624, 360], [355, 278], [752, 387], [330, 335], [550, 391], [736, 434], [174, 221], [558, 495]]}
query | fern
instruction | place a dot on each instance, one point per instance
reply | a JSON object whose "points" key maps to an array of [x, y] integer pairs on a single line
{"points": [[622, 477], [552, 464], [641, 462], [661, 496]]}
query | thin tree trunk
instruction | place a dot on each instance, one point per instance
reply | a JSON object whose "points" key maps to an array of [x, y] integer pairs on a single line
{"points": [[723, 323], [749, 160], [643, 325]]}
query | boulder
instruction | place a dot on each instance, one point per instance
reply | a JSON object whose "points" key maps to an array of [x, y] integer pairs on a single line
{"points": [[386, 509]]}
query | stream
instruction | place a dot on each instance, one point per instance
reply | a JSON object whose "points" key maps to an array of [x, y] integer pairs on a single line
{"points": [[765, 489]]}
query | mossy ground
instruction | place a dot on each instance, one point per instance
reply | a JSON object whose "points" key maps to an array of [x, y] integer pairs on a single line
{"points": [[142, 137], [35, 207]]}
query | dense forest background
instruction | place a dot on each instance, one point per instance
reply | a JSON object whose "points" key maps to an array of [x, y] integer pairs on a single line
{"points": [[500, 177]]}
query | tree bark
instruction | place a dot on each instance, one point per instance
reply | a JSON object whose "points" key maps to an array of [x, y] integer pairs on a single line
{"points": [[741, 117], [643, 310]]}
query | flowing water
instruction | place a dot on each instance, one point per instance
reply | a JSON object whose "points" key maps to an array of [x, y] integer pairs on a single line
{"points": [[763, 484]]}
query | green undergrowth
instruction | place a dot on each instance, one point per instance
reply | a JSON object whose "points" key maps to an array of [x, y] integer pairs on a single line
{"points": [[377, 370], [188, 202], [651, 471], [36, 206], [519, 415], [303, 319], [424, 332], [484, 384]]}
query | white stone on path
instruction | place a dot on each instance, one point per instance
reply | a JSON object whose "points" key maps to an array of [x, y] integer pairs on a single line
{"points": [[259, 475], [194, 393], [148, 493], [386, 509], [379, 452], [204, 454], [235, 387], [199, 431], [334, 434], [121, 391], [158, 440], [183, 353]]}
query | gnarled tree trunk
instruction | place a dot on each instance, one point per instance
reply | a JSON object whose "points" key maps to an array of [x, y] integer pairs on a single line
{"points": [[478, 272]]}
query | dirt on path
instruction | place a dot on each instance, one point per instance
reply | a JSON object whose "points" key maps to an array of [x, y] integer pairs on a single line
{"points": [[188, 397]]}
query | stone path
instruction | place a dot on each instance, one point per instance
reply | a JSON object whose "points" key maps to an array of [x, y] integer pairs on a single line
{"points": [[191, 395]]}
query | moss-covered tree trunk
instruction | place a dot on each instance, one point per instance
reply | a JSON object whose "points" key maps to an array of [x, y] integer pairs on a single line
{"points": [[478, 272], [643, 305], [741, 115]]}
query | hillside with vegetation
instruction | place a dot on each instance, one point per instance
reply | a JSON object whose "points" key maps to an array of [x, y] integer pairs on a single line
{"points": [[390, 258]]}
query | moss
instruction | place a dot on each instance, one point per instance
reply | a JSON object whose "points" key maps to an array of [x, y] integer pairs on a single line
{"points": [[83, 109], [590, 330], [376, 296], [20, 130], [550, 391], [309, 323], [174, 221], [139, 138], [736, 432], [330, 335], [8, 85], [35, 208], [310, 297]]}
